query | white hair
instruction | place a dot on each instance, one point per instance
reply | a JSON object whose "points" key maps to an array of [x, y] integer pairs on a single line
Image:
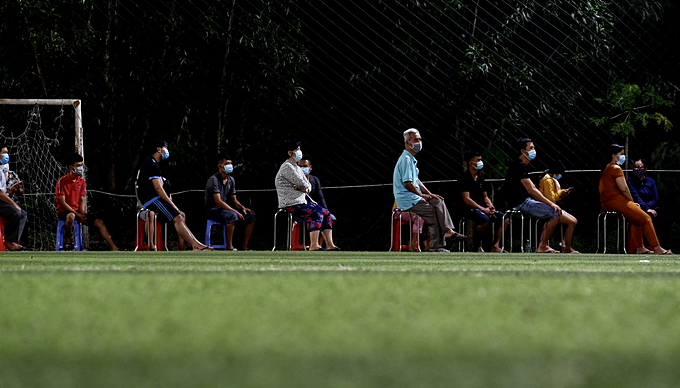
{"points": [[408, 132]]}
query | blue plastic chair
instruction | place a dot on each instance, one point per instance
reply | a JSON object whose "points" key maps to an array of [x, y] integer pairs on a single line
{"points": [[208, 226], [59, 245]]}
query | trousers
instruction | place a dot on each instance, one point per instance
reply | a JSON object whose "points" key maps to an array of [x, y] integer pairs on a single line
{"points": [[15, 220], [640, 221], [436, 214]]}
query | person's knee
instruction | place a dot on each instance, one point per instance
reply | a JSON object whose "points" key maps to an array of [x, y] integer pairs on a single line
{"points": [[70, 217], [98, 223]]}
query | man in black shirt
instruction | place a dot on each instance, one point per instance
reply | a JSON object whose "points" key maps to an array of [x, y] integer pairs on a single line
{"points": [[477, 205], [221, 204], [525, 197], [152, 195]]}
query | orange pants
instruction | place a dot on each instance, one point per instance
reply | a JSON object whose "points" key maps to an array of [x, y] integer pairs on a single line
{"points": [[640, 221]]}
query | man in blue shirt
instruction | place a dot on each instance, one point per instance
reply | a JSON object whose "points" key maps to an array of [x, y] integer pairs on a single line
{"points": [[412, 195]]}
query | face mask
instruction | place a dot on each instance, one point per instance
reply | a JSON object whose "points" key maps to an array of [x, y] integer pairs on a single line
{"points": [[5, 159], [5, 167], [79, 170], [639, 172], [557, 176], [165, 154], [622, 160], [298, 155], [479, 166], [228, 168], [531, 155], [305, 170], [417, 147]]}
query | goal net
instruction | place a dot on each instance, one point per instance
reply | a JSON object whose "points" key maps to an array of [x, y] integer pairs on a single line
{"points": [[37, 141]]}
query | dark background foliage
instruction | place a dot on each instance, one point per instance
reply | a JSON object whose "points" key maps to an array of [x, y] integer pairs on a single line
{"points": [[347, 78]]}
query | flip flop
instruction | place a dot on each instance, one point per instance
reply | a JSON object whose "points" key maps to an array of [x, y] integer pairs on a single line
{"points": [[205, 248], [550, 250]]}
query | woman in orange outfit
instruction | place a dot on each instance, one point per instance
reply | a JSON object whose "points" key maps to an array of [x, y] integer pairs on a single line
{"points": [[615, 196]]}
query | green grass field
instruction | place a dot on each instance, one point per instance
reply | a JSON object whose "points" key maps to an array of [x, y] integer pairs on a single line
{"points": [[350, 319]]}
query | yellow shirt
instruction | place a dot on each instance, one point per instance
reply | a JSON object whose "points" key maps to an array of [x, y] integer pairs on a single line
{"points": [[550, 188]]}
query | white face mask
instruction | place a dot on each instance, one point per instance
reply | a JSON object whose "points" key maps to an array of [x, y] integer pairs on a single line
{"points": [[479, 165], [417, 147]]}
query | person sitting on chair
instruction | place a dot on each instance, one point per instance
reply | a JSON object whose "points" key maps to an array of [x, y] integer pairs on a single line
{"points": [[316, 194], [477, 205], [221, 204], [152, 195], [411, 194], [292, 189], [615, 196], [529, 200], [71, 205], [10, 211], [549, 186], [644, 192]]}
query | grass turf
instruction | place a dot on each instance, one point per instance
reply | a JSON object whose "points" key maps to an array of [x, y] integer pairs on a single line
{"points": [[349, 319]]}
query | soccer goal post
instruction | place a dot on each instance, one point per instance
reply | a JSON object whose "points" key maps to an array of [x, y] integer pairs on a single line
{"points": [[34, 146], [77, 105]]}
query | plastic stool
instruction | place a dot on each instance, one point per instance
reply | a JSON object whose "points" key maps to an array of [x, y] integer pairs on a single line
{"points": [[208, 228], [619, 231], [293, 232], [139, 240], [59, 245], [397, 222], [2, 234]]}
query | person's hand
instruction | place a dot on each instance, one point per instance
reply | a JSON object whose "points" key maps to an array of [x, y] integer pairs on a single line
{"points": [[558, 209], [240, 216], [81, 217], [652, 212], [16, 187], [439, 197], [427, 197], [487, 211], [246, 210], [636, 204], [567, 191]]}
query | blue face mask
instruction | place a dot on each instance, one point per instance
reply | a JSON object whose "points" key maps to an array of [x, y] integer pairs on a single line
{"points": [[165, 154], [531, 155], [5, 159], [305, 170], [557, 176], [298, 156], [480, 165], [622, 160], [228, 168]]}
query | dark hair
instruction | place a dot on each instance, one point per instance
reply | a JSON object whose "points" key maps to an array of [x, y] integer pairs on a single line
{"points": [[307, 158], [615, 149], [469, 154], [289, 145], [522, 143], [643, 160], [152, 145], [222, 156], [556, 167], [73, 159], [3, 145]]}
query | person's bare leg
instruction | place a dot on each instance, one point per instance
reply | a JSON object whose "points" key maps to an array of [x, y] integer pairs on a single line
{"points": [[548, 230], [478, 236], [328, 235], [570, 222], [500, 229], [185, 233], [229, 230], [99, 224], [247, 232], [413, 243], [68, 227], [150, 228], [660, 251], [314, 240]]}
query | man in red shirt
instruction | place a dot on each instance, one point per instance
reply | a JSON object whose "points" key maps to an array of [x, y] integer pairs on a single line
{"points": [[70, 193]]}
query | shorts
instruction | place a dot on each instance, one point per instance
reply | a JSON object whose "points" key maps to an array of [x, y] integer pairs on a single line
{"points": [[165, 212], [225, 216], [537, 209], [91, 218], [479, 217]]}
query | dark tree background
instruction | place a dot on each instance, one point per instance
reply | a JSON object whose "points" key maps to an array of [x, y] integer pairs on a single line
{"points": [[347, 78]]}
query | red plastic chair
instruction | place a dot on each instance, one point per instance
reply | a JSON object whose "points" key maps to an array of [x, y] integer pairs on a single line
{"points": [[400, 218], [2, 234]]}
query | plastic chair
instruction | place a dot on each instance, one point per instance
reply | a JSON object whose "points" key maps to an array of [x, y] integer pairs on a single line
{"points": [[293, 232], [159, 240], [620, 231], [398, 221], [208, 228], [59, 245]]}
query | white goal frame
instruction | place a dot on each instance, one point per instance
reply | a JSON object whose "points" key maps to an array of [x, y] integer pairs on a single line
{"points": [[77, 105]]}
